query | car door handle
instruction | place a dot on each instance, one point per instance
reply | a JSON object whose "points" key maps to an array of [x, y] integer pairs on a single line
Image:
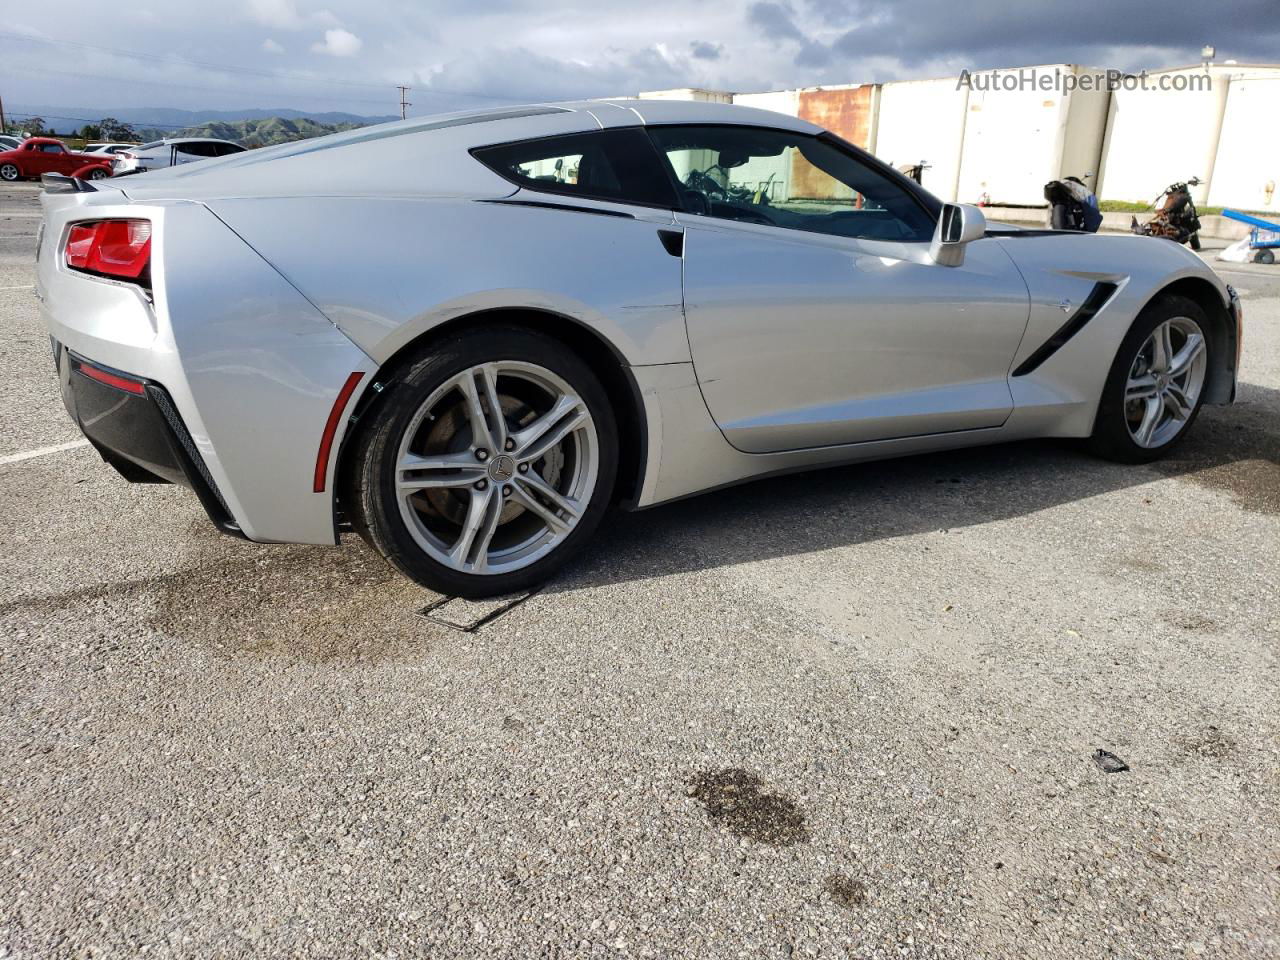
{"points": [[673, 240]]}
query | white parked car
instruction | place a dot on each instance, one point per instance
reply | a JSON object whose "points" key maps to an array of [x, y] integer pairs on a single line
{"points": [[170, 153], [108, 147], [9, 143]]}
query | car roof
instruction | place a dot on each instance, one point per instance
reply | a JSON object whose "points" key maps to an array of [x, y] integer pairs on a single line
{"points": [[429, 155]]}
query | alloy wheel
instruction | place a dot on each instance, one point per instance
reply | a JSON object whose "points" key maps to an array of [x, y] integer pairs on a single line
{"points": [[496, 467], [10, 172], [1165, 381]]}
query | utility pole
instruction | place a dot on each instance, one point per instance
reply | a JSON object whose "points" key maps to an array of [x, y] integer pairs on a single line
{"points": [[2, 115], [403, 102]]}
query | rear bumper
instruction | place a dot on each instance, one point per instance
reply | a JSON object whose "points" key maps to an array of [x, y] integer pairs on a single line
{"points": [[133, 424]]}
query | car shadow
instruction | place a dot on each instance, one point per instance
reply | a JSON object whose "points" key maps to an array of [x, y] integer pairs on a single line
{"points": [[1234, 450]]}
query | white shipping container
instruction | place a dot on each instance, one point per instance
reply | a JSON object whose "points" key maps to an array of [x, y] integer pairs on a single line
{"points": [[1017, 140], [1159, 137], [923, 120], [1247, 168], [779, 101]]}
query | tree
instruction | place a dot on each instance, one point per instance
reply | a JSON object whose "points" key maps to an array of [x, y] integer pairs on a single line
{"points": [[90, 131], [33, 126], [113, 129]]}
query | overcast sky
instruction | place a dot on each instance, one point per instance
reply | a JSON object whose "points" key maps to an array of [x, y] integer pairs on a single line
{"points": [[341, 55]]}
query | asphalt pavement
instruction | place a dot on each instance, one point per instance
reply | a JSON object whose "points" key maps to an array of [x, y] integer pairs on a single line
{"points": [[845, 714]]}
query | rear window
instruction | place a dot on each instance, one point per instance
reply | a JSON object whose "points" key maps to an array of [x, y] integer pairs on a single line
{"points": [[619, 165]]}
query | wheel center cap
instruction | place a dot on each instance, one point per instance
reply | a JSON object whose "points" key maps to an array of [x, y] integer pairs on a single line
{"points": [[502, 468]]}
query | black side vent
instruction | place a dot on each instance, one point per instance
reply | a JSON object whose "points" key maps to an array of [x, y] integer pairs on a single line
{"points": [[1097, 299], [195, 468]]}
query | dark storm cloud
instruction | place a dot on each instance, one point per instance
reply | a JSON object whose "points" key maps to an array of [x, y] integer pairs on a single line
{"points": [[777, 20], [995, 32], [705, 50]]}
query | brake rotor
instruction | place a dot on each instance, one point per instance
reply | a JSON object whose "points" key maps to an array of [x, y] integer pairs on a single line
{"points": [[450, 432]]}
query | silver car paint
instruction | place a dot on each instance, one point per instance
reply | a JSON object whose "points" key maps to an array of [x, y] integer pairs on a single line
{"points": [[424, 262], [805, 340], [347, 252], [252, 367]]}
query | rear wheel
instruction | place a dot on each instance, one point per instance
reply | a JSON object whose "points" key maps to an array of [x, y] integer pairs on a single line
{"points": [[10, 172], [1156, 385], [1264, 255], [98, 173], [487, 464], [1194, 240]]}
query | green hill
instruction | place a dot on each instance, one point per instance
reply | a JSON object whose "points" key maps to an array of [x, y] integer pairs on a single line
{"points": [[262, 133]]}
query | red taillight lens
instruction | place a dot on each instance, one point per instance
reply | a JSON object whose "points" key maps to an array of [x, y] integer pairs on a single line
{"points": [[115, 248]]}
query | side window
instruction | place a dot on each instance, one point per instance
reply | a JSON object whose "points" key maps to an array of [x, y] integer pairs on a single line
{"points": [[50, 148], [196, 149], [790, 180], [226, 149], [618, 165]]}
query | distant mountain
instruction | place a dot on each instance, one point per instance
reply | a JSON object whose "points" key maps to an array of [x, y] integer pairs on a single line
{"points": [[168, 118], [264, 132]]}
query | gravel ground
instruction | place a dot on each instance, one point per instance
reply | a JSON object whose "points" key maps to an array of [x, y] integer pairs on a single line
{"points": [[846, 714]]}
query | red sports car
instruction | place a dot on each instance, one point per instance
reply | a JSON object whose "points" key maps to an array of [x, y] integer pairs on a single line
{"points": [[39, 155]]}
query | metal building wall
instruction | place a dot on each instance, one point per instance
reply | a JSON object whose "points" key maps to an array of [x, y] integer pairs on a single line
{"points": [[923, 120]]}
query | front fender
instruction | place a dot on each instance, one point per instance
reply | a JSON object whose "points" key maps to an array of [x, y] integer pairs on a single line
{"points": [[1061, 394]]}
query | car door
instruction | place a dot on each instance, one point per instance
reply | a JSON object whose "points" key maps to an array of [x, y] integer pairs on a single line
{"points": [[45, 158], [815, 314]]}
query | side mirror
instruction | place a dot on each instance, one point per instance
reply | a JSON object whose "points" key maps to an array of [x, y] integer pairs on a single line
{"points": [[960, 224]]}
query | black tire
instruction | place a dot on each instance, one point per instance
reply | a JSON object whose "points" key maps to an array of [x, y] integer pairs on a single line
{"points": [[1263, 255], [1194, 241], [10, 173], [1111, 439], [99, 173], [368, 492]]}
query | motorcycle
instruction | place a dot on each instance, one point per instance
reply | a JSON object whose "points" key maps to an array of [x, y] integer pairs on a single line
{"points": [[915, 171], [1072, 205], [1176, 217]]}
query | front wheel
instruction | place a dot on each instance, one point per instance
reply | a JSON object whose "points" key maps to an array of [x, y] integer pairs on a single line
{"points": [[9, 172], [487, 463], [1156, 385]]}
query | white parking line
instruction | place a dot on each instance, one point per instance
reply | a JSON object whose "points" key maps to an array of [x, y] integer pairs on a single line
{"points": [[42, 451], [21, 286]]}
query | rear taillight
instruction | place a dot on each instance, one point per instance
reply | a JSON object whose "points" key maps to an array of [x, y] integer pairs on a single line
{"points": [[111, 248]]}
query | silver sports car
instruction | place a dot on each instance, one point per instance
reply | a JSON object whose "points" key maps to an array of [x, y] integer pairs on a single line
{"points": [[467, 336]]}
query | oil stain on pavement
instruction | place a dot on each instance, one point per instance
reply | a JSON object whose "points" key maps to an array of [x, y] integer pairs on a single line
{"points": [[845, 891], [739, 800]]}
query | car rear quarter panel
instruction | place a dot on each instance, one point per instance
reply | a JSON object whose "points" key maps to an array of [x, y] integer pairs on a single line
{"points": [[386, 271], [252, 367]]}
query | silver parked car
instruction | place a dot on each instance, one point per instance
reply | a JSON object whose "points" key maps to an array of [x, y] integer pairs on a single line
{"points": [[467, 336], [170, 153]]}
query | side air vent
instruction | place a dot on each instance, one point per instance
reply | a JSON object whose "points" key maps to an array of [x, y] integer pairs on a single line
{"points": [[1097, 299]]}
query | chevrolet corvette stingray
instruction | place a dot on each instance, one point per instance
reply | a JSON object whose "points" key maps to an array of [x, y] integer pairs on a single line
{"points": [[467, 336]]}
